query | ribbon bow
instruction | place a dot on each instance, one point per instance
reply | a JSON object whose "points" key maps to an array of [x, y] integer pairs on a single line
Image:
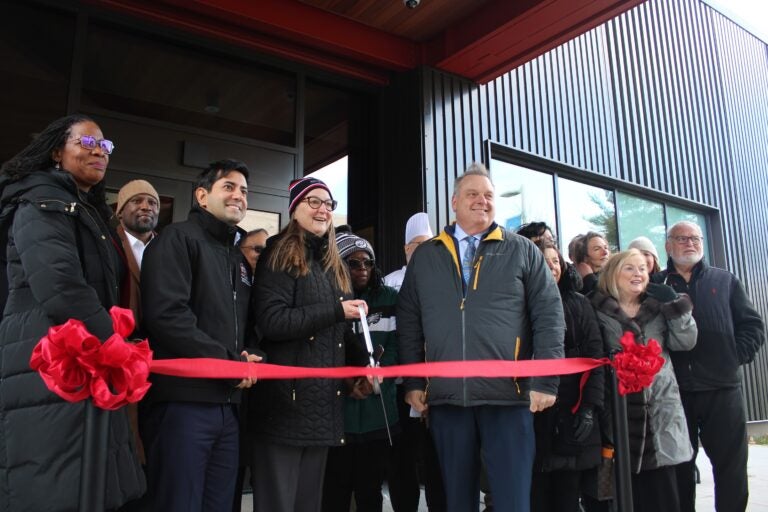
{"points": [[637, 364], [75, 365]]}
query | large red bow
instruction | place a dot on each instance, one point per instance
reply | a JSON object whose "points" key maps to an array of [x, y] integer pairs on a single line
{"points": [[74, 364], [637, 364]]}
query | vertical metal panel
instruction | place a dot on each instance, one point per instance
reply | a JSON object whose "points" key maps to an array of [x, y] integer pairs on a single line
{"points": [[744, 77], [670, 95]]}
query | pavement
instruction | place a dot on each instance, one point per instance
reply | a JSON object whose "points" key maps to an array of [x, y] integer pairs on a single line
{"points": [[757, 472]]}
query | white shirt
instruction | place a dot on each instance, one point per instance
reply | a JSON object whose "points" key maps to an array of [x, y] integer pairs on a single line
{"points": [[137, 246], [395, 279]]}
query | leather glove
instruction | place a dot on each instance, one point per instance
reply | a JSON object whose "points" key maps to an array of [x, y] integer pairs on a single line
{"points": [[661, 292], [583, 422]]}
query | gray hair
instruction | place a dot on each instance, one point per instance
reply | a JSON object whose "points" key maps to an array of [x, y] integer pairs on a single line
{"points": [[474, 169], [682, 223]]}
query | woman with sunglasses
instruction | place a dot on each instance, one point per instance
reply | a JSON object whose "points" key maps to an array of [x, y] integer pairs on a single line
{"points": [[62, 263], [302, 302], [359, 467]]}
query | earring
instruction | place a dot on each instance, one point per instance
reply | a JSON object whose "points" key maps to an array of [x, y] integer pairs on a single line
{"points": [[57, 166]]}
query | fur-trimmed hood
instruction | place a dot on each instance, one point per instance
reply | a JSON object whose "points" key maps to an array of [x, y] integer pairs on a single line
{"points": [[650, 308]]}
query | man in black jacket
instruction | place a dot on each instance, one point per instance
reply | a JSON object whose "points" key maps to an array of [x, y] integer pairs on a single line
{"points": [[730, 334], [195, 293]]}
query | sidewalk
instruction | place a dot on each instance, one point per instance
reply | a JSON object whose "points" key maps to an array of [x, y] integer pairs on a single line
{"points": [[757, 471]]}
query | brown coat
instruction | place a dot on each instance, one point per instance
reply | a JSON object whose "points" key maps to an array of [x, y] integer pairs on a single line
{"points": [[131, 295]]}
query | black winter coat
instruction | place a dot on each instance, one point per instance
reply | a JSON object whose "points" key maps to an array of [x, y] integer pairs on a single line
{"points": [[195, 292], [62, 264], [731, 330], [556, 449], [301, 323]]}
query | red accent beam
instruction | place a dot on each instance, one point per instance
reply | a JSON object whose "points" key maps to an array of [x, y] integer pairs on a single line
{"points": [[500, 36], [483, 49], [341, 46]]}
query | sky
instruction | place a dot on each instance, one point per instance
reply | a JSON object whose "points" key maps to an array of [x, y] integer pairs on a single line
{"points": [[750, 14]]}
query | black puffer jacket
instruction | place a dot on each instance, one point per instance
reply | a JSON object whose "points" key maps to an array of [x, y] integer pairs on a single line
{"points": [[556, 449], [62, 264], [301, 322]]}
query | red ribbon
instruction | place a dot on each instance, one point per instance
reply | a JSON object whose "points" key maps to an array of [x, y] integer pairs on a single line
{"points": [[221, 369], [74, 364], [637, 364]]}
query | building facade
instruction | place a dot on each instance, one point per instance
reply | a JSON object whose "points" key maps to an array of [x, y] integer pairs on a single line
{"points": [[655, 115]]}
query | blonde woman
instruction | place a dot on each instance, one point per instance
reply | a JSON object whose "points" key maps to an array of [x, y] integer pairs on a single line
{"points": [[658, 435]]}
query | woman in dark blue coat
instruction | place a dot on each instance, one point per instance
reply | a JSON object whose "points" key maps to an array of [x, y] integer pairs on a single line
{"points": [[62, 263]]}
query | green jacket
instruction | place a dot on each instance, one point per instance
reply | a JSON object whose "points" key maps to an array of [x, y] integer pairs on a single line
{"points": [[366, 416]]}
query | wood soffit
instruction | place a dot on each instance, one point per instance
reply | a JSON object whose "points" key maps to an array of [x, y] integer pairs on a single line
{"points": [[368, 39]]}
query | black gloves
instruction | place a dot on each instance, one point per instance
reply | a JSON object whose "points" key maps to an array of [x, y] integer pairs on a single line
{"points": [[583, 422], [661, 292]]}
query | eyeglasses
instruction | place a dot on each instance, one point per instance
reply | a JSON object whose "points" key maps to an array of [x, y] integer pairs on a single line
{"points": [[360, 264], [683, 240], [255, 248], [315, 202], [88, 142]]}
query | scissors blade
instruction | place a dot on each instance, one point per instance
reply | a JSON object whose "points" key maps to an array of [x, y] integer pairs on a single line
{"points": [[376, 387], [368, 345]]}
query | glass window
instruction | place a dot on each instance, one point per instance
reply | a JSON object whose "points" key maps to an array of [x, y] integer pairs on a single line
{"points": [[335, 175], [35, 63], [522, 195], [641, 217], [676, 214], [586, 208], [149, 77]]}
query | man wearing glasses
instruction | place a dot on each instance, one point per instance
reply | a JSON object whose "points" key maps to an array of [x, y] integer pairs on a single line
{"points": [[417, 230], [730, 334], [252, 244]]}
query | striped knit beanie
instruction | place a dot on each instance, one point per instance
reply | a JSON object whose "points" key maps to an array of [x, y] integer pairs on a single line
{"points": [[298, 189]]}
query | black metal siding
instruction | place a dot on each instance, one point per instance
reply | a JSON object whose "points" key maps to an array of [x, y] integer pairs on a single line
{"points": [[670, 95]]}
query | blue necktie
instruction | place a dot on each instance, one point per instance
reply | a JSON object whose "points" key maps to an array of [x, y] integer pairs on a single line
{"points": [[469, 258]]}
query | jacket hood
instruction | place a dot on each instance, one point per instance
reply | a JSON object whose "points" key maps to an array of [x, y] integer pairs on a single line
{"points": [[570, 281], [11, 190]]}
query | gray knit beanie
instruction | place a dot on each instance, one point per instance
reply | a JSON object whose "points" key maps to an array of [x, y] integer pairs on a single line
{"points": [[349, 243]]}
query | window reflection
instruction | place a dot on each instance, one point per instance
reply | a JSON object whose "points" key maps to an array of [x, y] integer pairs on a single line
{"points": [[522, 195], [641, 217], [586, 208]]}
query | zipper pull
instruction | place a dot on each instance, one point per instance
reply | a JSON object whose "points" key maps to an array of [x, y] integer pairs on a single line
{"points": [[293, 394], [462, 303]]}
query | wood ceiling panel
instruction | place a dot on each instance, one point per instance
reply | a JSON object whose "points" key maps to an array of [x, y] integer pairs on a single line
{"points": [[367, 39], [421, 24]]}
